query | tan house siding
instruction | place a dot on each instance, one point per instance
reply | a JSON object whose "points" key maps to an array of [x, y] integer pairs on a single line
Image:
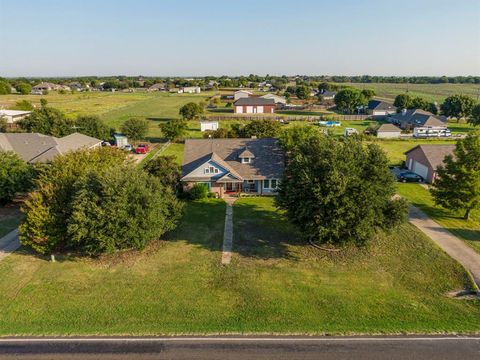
{"points": [[418, 156]]}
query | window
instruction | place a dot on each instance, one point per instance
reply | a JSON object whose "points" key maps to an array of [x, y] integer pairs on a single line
{"points": [[270, 184], [216, 171], [207, 171], [246, 160]]}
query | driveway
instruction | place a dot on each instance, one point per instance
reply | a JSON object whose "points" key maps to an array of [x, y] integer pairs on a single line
{"points": [[9, 243], [452, 245]]}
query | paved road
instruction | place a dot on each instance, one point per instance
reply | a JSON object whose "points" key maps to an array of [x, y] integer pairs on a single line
{"points": [[452, 245], [9, 243], [323, 348]]}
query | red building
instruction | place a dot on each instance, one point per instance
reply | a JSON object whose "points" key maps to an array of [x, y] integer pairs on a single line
{"points": [[254, 105]]}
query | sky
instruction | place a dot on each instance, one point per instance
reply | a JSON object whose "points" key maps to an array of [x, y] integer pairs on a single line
{"points": [[210, 37]]}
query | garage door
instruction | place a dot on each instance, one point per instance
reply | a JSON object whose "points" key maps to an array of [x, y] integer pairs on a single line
{"points": [[239, 109], [420, 169]]}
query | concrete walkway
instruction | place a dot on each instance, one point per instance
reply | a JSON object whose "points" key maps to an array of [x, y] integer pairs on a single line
{"points": [[9, 243], [452, 245], [228, 232]]}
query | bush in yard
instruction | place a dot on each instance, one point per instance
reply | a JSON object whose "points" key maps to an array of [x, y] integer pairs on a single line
{"points": [[135, 129], [5, 87], [15, 176], [475, 118], [47, 121], [23, 105], [166, 170], [24, 88], [338, 191], [3, 124], [116, 210], [457, 185], [91, 125], [48, 209], [190, 111], [198, 191], [174, 129]]}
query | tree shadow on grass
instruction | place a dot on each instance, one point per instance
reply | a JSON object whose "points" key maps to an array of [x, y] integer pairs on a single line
{"points": [[467, 234], [262, 233]]}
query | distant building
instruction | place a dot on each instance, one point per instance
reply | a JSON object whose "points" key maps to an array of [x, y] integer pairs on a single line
{"points": [[12, 116], [279, 100], [409, 119], [191, 90], [157, 87], [254, 105], [46, 86], [326, 95], [208, 125], [239, 94], [388, 131], [33, 147], [380, 108]]}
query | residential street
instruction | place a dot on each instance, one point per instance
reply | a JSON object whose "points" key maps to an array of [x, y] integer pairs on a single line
{"points": [[322, 348]]}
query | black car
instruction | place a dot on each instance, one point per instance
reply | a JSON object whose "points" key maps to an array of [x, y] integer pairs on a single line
{"points": [[408, 176]]}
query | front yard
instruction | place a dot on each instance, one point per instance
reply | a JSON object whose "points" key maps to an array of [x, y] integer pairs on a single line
{"points": [[275, 284], [469, 231]]}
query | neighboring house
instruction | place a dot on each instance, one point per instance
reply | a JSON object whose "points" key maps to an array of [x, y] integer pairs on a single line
{"points": [[12, 116], [157, 87], [252, 166], [279, 100], [327, 95], [208, 125], [254, 105], [388, 131], [424, 159], [33, 147], [46, 86], [78, 86], [409, 119], [239, 94], [380, 108], [190, 90]]}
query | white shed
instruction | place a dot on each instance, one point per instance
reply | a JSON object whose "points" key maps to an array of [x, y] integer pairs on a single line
{"points": [[208, 125], [239, 94]]}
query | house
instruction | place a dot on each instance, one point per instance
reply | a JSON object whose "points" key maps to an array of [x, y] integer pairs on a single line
{"points": [[12, 116], [157, 87], [46, 86], [327, 95], [254, 105], [380, 108], [227, 166], [34, 148], [388, 131], [239, 94], [208, 125], [409, 119], [191, 90], [279, 100], [424, 159]]}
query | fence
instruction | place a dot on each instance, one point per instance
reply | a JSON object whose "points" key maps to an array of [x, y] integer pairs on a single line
{"points": [[288, 118]]}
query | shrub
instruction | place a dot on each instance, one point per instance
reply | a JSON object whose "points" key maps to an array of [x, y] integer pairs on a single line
{"points": [[135, 129], [15, 176], [198, 191]]}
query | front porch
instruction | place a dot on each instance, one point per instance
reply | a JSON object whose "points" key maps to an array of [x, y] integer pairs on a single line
{"points": [[239, 187]]}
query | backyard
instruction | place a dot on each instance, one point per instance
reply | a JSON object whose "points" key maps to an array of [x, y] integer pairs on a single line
{"points": [[275, 284], [467, 230]]}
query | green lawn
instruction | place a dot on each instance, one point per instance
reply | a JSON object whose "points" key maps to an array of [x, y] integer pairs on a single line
{"points": [[452, 221], [431, 92], [175, 149], [275, 284]]}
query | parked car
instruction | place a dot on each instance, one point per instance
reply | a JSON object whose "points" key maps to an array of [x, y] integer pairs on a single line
{"points": [[127, 147], [142, 149], [408, 176], [350, 131]]}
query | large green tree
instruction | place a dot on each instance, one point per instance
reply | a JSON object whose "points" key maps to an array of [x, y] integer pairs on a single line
{"points": [[23, 105], [174, 129], [3, 124], [135, 129], [166, 169], [458, 106], [474, 119], [347, 100], [24, 88], [15, 176], [302, 92], [47, 121], [261, 128], [190, 111], [339, 191], [91, 125], [457, 185], [5, 87]]}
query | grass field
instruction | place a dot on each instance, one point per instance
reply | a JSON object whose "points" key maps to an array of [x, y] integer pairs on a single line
{"points": [[275, 284], [453, 221], [431, 92]]}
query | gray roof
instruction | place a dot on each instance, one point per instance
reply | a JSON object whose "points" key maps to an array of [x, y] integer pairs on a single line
{"points": [[380, 105], [255, 101], [434, 153], [268, 162], [418, 117], [33, 147], [388, 128]]}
